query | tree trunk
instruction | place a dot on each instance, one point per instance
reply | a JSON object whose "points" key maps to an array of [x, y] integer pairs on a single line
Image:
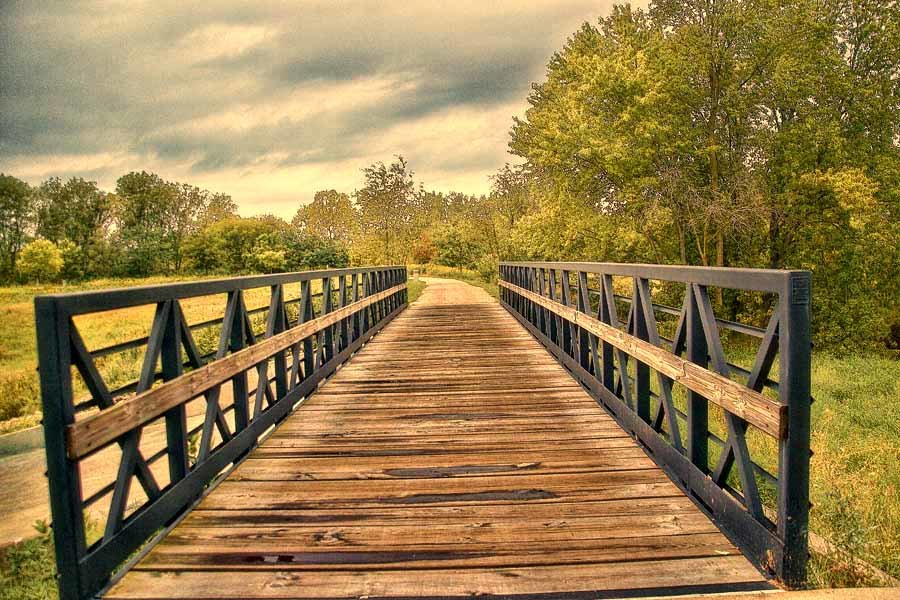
{"points": [[775, 258]]}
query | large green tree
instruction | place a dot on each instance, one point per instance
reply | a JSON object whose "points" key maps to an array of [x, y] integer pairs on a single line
{"points": [[388, 204], [78, 212], [330, 215], [732, 132]]}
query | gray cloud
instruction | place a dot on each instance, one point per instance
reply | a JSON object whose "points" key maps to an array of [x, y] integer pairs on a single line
{"points": [[141, 79]]}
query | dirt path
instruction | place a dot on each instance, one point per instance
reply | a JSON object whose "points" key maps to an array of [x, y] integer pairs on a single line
{"points": [[451, 291]]}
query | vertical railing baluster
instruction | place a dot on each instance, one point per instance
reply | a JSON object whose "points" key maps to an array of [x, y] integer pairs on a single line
{"points": [[357, 316], [367, 311], [567, 329], [642, 371], [697, 406], [55, 365], [794, 453], [276, 322], [343, 338], [237, 340], [175, 418], [588, 341], [306, 315]]}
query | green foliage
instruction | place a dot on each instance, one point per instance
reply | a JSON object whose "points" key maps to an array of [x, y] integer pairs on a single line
{"points": [[728, 133], [27, 569], [330, 216], [266, 259], [308, 251], [16, 216], [387, 205], [77, 211], [40, 261], [21, 396], [227, 246], [156, 218], [453, 249]]}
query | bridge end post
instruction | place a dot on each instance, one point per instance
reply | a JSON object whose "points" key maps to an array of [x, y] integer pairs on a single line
{"points": [[54, 369], [794, 366]]}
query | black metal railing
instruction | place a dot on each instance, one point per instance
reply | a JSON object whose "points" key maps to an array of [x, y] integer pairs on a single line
{"points": [[693, 421], [304, 339]]}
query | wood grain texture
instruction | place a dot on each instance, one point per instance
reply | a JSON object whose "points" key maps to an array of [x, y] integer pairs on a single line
{"points": [[444, 468], [750, 405]]}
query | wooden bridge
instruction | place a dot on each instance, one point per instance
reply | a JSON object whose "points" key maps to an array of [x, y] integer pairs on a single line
{"points": [[451, 456]]}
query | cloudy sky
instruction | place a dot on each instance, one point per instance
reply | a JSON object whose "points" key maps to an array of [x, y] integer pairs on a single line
{"points": [[271, 101]]}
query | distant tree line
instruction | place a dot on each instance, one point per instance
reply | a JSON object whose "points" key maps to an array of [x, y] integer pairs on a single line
{"points": [[73, 230]]}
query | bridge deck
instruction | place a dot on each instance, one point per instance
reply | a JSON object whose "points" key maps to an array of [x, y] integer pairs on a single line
{"points": [[452, 456]]}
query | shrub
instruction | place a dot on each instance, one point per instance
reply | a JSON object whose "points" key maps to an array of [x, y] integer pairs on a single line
{"points": [[488, 268], [21, 395], [268, 260], [40, 261]]}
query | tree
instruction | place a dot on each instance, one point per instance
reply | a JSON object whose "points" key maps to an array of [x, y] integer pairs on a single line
{"points": [[218, 207], [16, 218], [423, 250], [228, 245], [267, 255], [40, 261], [77, 211], [388, 204], [147, 203], [453, 249], [510, 193], [330, 215], [156, 218], [306, 251]]}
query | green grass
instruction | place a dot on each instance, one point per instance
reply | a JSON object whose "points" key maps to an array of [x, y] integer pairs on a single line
{"points": [[855, 486], [28, 570], [414, 289]]}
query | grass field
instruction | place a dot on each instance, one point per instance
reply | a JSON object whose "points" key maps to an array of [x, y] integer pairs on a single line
{"points": [[855, 484], [20, 405]]}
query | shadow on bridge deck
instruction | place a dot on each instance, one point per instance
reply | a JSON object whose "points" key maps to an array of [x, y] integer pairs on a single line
{"points": [[452, 456]]}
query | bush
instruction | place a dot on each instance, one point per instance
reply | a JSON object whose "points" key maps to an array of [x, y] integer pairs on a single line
{"points": [[453, 248], [21, 395], [268, 260], [40, 261], [488, 268]]}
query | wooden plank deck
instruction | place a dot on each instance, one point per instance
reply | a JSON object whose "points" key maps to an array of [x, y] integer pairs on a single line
{"points": [[451, 457]]}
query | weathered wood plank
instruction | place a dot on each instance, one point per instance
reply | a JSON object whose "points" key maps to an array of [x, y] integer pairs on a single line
{"points": [[440, 466], [437, 583], [496, 555]]}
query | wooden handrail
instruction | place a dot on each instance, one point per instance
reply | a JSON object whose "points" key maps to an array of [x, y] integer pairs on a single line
{"points": [[101, 428], [758, 410]]}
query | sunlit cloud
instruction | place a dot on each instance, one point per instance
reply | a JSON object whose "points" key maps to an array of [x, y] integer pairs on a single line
{"points": [[271, 101]]}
